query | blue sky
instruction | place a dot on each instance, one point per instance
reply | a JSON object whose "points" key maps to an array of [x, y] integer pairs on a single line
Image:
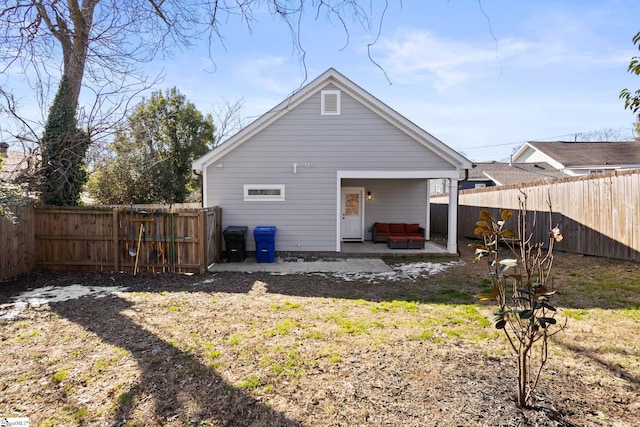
{"points": [[483, 79]]}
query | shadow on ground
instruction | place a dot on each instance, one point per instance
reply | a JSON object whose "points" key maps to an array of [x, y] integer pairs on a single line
{"points": [[181, 388]]}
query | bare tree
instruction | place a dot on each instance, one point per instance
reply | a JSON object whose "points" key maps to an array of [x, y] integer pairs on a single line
{"points": [[606, 135], [98, 46], [229, 121]]}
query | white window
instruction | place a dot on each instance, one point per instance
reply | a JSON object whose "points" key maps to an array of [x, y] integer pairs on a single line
{"points": [[330, 103], [264, 192]]}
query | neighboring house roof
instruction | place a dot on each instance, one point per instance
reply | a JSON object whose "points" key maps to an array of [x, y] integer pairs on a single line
{"points": [[331, 76], [581, 155], [13, 164], [515, 173]]}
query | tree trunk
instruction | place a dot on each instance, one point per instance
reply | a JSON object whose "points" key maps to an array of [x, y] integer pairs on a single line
{"points": [[74, 38], [76, 46], [64, 145], [523, 375], [63, 151]]}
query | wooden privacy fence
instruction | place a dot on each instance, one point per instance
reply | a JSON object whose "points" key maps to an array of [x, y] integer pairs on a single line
{"points": [[17, 242], [115, 239], [598, 215]]}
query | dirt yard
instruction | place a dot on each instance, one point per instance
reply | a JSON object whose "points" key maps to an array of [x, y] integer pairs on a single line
{"points": [[237, 349]]}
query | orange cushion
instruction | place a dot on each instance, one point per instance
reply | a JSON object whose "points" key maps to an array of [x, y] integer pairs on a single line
{"points": [[382, 227], [396, 228], [412, 228]]}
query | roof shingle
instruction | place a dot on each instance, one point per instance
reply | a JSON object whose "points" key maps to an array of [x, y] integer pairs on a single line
{"points": [[515, 173], [576, 154]]}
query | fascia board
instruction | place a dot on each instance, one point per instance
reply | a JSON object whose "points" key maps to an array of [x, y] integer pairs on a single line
{"points": [[520, 151], [414, 174], [602, 166], [492, 178], [548, 159]]}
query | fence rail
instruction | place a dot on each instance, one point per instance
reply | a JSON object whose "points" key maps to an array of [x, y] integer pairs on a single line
{"points": [[598, 215], [122, 238]]}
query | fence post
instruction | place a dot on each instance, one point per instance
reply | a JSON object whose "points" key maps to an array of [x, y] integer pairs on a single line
{"points": [[218, 222], [116, 238], [202, 240]]}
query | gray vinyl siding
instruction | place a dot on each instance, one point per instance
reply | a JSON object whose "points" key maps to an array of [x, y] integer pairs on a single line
{"points": [[357, 139]]}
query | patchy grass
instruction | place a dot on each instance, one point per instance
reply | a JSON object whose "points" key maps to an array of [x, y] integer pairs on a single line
{"points": [[60, 375], [315, 350], [286, 305]]}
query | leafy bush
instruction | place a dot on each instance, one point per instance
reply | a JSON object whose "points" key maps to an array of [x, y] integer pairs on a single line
{"points": [[12, 195], [525, 313]]}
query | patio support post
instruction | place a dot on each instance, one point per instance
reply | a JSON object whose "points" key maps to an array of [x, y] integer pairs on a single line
{"points": [[452, 230], [427, 223]]}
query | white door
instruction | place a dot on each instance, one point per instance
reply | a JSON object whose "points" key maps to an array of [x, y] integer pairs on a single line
{"points": [[352, 222]]}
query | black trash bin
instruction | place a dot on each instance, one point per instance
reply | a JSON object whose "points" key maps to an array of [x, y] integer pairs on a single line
{"points": [[265, 236], [235, 240]]}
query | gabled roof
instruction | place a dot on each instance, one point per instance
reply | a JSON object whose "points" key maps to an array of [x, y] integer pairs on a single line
{"points": [[514, 173], [331, 76], [586, 154]]}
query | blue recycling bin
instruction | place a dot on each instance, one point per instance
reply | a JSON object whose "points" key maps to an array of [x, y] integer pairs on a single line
{"points": [[265, 237]]}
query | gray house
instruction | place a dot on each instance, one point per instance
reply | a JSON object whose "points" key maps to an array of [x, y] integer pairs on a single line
{"points": [[326, 164]]}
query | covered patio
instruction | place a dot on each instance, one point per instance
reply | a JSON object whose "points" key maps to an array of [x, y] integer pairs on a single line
{"points": [[369, 248], [368, 197]]}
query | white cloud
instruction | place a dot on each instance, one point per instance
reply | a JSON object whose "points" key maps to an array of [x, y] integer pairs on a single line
{"points": [[416, 56], [269, 72]]}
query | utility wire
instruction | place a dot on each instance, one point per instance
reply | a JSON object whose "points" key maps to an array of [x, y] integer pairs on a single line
{"points": [[516, 142]]}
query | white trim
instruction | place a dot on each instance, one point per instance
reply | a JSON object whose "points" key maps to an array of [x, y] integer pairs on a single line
{"points": [[515, 158], [450, 174], [488, 175], [263, 198], [205, 191], [606, 168], [323, 103], [338, 207], [427, 220], [452, 228]]}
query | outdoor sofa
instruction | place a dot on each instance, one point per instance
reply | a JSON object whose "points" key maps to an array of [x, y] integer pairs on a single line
{"points": [[398, 235]]}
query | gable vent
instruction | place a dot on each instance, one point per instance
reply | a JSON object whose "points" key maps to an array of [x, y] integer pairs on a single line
{"points": [[330, 104]]}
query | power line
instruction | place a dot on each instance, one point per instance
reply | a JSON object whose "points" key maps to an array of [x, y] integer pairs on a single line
{"points": [[517, 142]]}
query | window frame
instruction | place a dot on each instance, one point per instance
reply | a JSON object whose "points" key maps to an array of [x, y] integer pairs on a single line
{"points": [[263, 197]]}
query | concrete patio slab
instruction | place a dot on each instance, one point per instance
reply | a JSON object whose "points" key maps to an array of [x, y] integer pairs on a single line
{"points": [[349, 265]]}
